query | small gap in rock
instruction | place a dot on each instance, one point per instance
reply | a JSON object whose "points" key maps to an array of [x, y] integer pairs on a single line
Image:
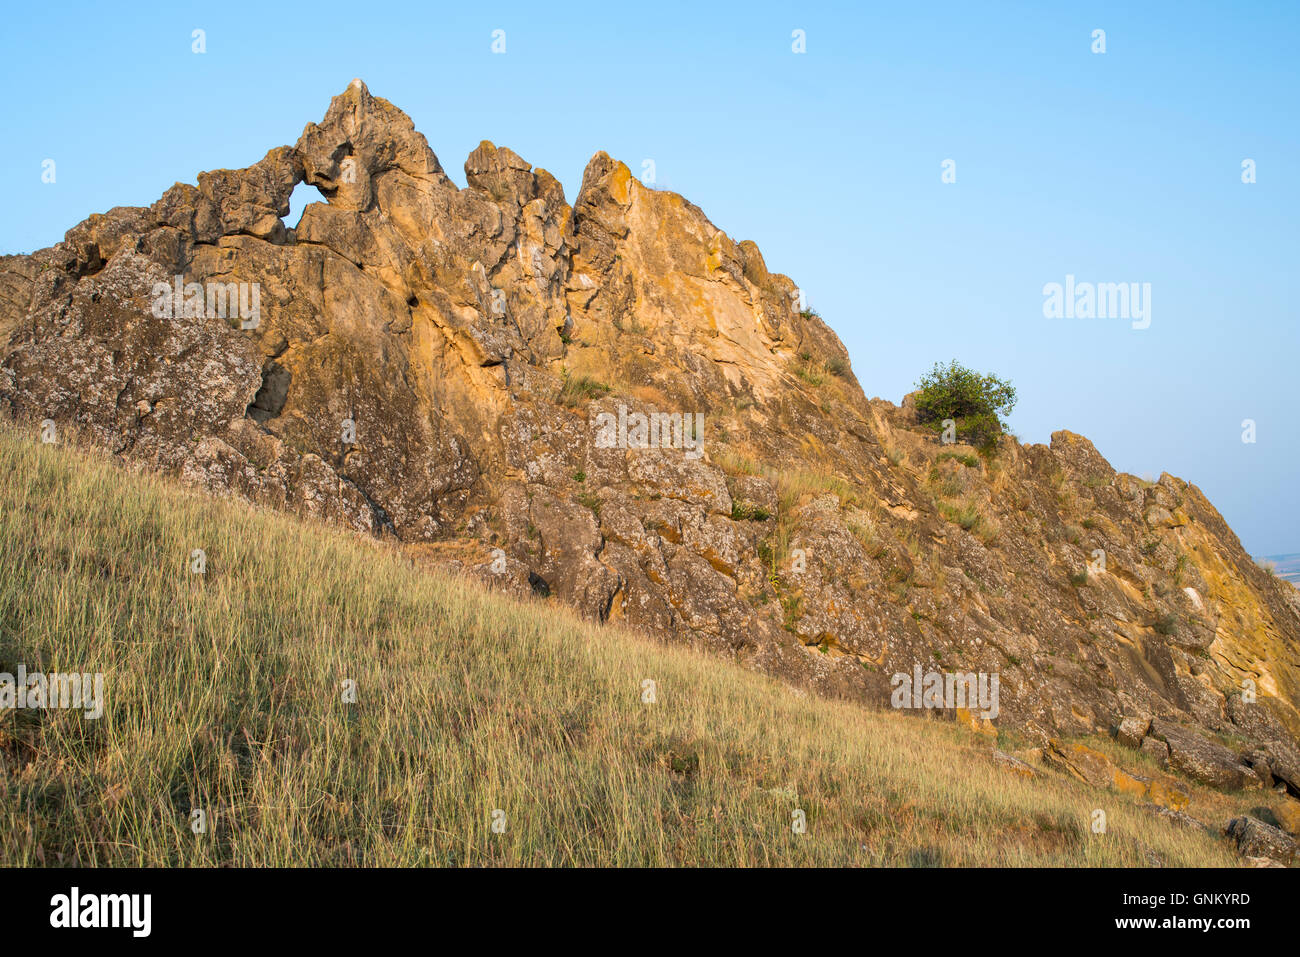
{"points": [[270, 398]]}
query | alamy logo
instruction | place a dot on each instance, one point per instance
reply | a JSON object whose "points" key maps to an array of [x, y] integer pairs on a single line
{"points": [[55, 690], [213, 300], [133, 911], [975, 692], [658, 430], [1102, 300]]}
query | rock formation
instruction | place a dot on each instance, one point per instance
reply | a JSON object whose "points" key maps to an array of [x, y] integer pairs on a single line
{"points": [[464, 370]]}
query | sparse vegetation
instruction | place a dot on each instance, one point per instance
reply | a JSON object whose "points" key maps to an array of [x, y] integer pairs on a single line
{"points": [[579, 389], [965, 514], [970, 461], [631, 325], [809, 375], [1180, 569], [972, 517], [967, 510], [791, 484], [946, 485], [733, 463], [865, 531]]}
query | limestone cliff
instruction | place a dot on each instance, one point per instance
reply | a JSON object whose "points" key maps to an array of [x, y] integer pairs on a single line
{"points": [[440, 364]]}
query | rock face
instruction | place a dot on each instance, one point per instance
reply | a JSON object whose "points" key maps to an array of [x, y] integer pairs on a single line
{"points": [[614, 404]]}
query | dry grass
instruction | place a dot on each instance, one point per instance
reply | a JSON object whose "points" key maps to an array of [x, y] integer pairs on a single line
{"points": [[579, 390], [224, 692], [792, 485], [793, 488], [867, 531], [973, 516]]}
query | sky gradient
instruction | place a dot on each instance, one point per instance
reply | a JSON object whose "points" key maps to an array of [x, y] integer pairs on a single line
{"points": [[1115, 167]]}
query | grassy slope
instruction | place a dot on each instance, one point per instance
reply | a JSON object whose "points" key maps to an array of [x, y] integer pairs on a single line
{"points": [[224, 691]]}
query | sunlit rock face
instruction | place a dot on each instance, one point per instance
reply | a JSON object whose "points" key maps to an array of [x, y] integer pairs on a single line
{"points": [[615, 406]]}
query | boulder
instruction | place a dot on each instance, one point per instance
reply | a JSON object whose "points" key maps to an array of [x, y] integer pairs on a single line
{"points": [[1157, 749], [1255, 839], [1093, 767], [976, 723], [1174, 816], [1014, 765], [1080, 762], [1169, 793], [1284, 764], [1203, 760], [1132, 730], [1288, 816]]}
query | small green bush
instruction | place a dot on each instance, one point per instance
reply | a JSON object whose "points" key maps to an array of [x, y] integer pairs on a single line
{"points": [[972, 400]]}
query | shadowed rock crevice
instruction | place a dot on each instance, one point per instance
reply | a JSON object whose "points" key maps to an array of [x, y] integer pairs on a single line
{"points": [[270, 398]]}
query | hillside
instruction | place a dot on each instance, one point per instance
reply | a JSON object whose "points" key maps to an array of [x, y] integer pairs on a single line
{"points": [[225, 691], [615, 406]]}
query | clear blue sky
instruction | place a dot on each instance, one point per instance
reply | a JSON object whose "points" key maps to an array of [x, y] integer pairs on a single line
{"points": [[1123, 166]]}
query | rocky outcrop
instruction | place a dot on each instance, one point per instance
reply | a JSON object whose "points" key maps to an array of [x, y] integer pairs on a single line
{"points": [[616, 405], [1094, 768], [1288, 817]]}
